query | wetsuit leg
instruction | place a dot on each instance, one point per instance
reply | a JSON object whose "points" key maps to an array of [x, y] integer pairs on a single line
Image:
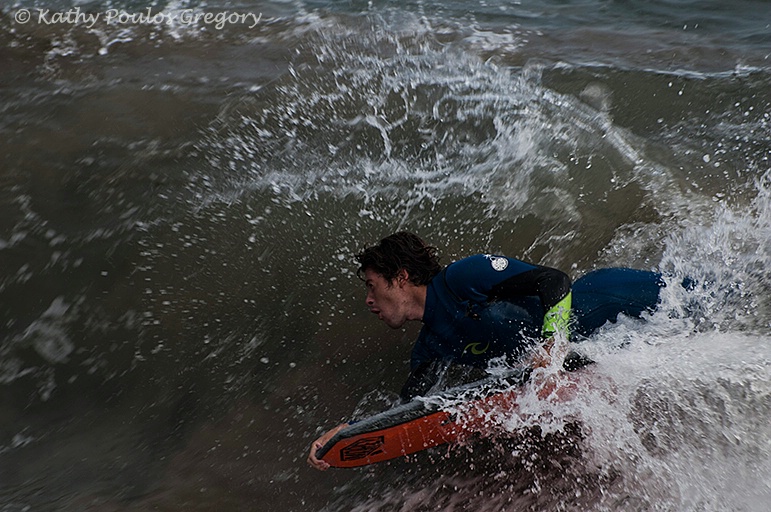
{"points": [[600, 296]]}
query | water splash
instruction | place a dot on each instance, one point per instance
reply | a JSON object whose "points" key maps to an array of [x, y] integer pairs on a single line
{"points": [[731, 273]]}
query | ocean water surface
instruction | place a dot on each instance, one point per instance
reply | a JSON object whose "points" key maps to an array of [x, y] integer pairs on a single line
{"points": [[183, 185]]}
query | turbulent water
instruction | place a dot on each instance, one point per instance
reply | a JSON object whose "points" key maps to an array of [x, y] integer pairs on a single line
{"points": [[181, 197]]}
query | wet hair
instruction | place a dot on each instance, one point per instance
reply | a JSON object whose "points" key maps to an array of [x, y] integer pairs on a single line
{"points": [[402, 250]]}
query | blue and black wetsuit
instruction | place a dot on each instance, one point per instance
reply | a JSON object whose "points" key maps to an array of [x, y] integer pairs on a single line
{"points": [[486, 306]]}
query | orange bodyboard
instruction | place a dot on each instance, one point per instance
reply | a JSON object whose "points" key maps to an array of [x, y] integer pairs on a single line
{"points": [[423, 423]]}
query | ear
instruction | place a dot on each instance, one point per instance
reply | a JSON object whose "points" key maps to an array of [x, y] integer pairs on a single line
{"points": [[402, 277]]}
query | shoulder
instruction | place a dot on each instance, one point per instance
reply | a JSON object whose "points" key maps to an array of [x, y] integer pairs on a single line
{"points": [[477, 274], [487, 264]]}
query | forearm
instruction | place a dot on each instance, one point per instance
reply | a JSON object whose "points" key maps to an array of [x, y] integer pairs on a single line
{"points": [[549, 284], [421, 379]]}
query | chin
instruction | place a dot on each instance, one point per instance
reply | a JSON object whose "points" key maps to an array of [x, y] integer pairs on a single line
{"points": [[394, 325]]}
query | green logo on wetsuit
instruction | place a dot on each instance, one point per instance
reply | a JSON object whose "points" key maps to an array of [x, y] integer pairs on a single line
{"points": [[474, 347]]}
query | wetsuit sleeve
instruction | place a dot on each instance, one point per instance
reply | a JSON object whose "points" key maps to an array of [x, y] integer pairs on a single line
{"points": [[486, 277], [552, 286], [557, 318], [549, 284], [424, 364], [421, 379]]}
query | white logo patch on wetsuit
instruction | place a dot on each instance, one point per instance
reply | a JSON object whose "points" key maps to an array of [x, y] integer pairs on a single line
{"points": [[498, 264]]}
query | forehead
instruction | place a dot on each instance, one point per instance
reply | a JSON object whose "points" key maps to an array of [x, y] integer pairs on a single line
{"points": [[371, 276]]}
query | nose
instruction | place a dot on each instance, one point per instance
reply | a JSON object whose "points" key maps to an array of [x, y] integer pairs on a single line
{"points": [[369, 300]]}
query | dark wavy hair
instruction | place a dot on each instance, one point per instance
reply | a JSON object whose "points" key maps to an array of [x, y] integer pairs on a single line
{"points": [[402, 250]]}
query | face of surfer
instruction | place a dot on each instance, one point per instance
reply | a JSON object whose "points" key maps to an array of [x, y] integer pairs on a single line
{"points": [[388, 300]]}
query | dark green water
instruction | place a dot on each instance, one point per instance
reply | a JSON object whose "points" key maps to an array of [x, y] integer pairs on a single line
{"points": [[179, 206]]}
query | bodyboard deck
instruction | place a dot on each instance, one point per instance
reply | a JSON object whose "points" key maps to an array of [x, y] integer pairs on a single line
{"points": [[421, 423], [425, 422]]}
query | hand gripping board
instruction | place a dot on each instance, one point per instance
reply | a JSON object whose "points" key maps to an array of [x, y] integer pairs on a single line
{"points": [[421, 423]]}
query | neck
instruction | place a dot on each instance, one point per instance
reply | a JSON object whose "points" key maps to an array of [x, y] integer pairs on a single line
{"points": [[417, 302]]}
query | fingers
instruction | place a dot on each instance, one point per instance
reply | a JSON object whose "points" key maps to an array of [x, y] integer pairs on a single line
{"points": [[315, 463], [319, 464]]}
